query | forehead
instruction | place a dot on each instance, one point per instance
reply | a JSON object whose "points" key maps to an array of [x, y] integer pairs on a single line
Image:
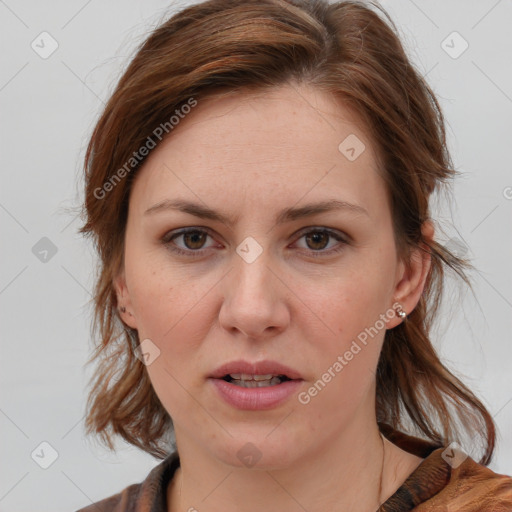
{"points": [[290, 141], [270, 122]]}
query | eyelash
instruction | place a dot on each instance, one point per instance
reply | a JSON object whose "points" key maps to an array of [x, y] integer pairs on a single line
{"points": [[168, 238]]}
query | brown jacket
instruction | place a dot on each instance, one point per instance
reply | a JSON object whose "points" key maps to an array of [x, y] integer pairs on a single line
{"points": [[434, 486]]}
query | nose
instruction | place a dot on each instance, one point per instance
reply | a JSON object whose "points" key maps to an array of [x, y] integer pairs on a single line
{"points": [[254, 300]]}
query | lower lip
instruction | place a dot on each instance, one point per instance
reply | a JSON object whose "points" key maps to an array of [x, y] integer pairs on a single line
{"points": [[255, 399]]}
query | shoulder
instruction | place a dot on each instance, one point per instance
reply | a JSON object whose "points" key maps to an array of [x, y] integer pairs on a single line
{"points": [[440, 483], [473, 487], [150, 494], [447, 479]]}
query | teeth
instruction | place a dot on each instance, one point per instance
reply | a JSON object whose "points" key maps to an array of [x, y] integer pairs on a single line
{"points": [[256, 383], [248, 377]]}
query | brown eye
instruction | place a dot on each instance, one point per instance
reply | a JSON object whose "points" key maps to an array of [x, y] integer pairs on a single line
{"points": [[317, 240], [194, 239], [187, 242]]}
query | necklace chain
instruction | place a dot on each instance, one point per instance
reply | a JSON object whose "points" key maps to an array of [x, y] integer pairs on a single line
{"points": [[381, 472]]}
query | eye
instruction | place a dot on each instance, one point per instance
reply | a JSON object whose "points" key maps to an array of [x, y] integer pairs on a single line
{"points": [[318, 238], [193, 239]]}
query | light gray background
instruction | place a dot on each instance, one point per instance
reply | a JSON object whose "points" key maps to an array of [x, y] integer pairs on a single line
{"points": [[48, 109]]}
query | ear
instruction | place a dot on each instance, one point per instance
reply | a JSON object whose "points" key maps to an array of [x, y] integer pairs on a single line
{"points": [[412, 276], [124, 304]]}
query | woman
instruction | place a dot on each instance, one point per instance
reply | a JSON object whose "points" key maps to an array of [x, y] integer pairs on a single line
{"points": [[258, 190]]}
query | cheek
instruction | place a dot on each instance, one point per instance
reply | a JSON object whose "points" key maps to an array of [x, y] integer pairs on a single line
{"points": [[350, 301], [345, 363], [170, 307], [153, 289], [346, 344], [170, 311]]}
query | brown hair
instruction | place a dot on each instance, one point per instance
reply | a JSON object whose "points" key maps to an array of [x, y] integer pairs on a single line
{"points": [[344, 48]]}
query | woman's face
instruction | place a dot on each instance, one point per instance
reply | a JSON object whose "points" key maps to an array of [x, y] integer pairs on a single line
{"points": [[277, 280]]}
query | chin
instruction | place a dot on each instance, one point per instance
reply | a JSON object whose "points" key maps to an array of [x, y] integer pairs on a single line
{"points": [[258, 451]]}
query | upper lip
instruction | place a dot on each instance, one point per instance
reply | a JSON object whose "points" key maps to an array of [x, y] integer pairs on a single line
{"points": [[255, 368]]}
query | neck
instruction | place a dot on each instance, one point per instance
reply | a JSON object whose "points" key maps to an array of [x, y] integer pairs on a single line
{"points": [[344, 474]]}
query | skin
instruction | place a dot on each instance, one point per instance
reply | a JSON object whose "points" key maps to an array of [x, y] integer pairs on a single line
{"points": [[250, 155]]}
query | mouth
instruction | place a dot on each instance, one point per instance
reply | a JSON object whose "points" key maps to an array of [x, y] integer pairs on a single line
{"points": [[255, 386], [256, 374], [245, 380]]}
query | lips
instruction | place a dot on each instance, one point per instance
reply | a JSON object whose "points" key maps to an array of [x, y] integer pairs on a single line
{"points": [[255, 386], [254, 371]]}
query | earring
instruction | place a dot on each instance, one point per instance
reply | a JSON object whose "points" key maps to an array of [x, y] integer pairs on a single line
{"points": [[400, 312], [123, 309]]}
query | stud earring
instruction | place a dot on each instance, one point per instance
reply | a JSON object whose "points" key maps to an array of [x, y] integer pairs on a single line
{"points": [[400, 312], [123, 309]]}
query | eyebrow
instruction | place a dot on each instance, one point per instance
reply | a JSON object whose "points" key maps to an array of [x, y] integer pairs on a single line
{"points": [[285, 215]]}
